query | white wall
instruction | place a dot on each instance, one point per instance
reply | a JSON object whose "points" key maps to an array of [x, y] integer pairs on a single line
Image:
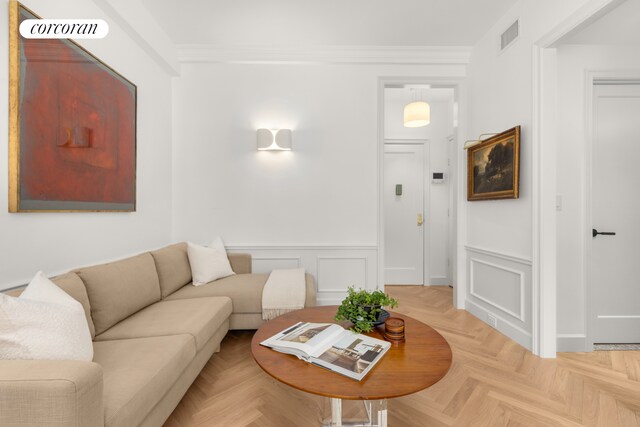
{"points": [[55, 243], [500, 97], [324, 193], [437, 134], [573, 63]]}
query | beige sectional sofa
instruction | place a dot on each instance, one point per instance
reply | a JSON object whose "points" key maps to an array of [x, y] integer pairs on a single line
{"points": [[153, 333]]}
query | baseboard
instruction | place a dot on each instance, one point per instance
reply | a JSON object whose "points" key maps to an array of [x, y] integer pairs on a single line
{"points": [[572, 343], [517, 334], [328, 301], [439, 281]]}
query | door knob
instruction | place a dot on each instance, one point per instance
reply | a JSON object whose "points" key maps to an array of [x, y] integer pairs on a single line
{"points": [[604, 233], [420, 219]]}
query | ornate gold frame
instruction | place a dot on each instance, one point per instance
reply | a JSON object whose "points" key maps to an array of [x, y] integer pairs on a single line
{"points": [[14, 109], [514, 193]]}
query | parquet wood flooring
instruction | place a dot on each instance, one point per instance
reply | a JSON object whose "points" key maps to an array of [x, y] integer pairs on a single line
{"points": [[493, 381]]}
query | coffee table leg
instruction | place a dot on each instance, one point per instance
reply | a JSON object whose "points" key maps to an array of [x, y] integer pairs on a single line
{"points": [[381, 410], [336, 411], [376, 412]]}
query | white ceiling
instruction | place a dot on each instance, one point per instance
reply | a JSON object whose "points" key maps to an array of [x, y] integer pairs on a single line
{"points": [[327, 22], [621, 26]]}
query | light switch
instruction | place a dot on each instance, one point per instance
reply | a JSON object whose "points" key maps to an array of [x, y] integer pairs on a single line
{"points": [[398, 189], [558, 202]]}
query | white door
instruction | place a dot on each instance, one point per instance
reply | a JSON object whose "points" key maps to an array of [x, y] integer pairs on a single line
{"points": [[615, 259], [403, 214]]}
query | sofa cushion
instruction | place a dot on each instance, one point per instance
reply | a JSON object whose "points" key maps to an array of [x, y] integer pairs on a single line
{"points": [[117, 290], [240, 263], [245, 290], [174, 271], [138, 372], [199, 318], [73, 285]]}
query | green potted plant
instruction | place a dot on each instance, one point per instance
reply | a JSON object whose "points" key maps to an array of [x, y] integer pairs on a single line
{"points": [[362, 308]]}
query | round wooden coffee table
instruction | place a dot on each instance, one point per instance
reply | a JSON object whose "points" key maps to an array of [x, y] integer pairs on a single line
{"points": [[421, 361]]}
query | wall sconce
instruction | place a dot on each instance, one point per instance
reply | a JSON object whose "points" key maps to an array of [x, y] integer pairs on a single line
{"points": [[274, 140], [473, 142]]}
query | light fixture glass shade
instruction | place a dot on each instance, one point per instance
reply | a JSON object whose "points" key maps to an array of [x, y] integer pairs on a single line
{"points": [[274, 140], [417, 114]]}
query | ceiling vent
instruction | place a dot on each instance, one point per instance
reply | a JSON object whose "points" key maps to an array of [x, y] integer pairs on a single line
{"points": [[510, 35]]}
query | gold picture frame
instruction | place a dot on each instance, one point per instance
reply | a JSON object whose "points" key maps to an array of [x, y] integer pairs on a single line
{"points": [[493, 167]]}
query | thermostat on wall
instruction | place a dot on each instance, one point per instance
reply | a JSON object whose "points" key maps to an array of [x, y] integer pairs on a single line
{"points": [[438, 178]]}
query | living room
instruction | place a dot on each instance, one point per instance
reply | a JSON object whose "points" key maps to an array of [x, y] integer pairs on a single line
{"points": [[209, 75]]}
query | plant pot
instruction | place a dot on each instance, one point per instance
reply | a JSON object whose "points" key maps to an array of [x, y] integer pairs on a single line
{"points": [[380, 318], [367, 309]]}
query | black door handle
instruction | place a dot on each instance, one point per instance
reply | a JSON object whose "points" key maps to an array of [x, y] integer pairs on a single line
{"points": [[604, 233]]}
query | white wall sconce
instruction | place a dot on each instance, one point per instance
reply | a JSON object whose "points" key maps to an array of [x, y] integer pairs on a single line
{"points": [[274, 140]]}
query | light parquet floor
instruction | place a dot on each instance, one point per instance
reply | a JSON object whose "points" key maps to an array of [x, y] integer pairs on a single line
{"points": [[493, 381]]}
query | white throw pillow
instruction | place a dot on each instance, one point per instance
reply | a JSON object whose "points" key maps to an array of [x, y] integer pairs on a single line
{"points": [[44, 322], [218, 244], [208, 264]]}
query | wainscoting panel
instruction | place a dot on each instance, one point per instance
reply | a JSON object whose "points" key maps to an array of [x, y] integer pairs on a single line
{"points": [[267, 264], [334, 267], [337, 273], [500, 288]]}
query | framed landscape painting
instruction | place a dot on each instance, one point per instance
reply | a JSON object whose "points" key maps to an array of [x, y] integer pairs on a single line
{"points": [[494, 167], [72, 127]]}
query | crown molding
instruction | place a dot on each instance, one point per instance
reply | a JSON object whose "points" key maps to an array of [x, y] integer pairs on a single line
{"points": [[136, 21], [394, 55]]}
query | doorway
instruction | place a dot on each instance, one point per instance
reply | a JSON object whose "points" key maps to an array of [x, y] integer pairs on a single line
{"points": [[404, 191], [615, 204], [415, 188]]}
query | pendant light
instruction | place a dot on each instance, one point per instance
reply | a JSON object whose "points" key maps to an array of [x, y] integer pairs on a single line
{"points": [[416, 113]]}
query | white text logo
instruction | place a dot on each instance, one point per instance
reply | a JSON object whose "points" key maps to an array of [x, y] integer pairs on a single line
{"points": [[64, 28]]}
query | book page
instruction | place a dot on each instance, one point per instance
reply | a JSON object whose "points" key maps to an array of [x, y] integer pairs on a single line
{"points": [[352, 355], [306, 337]]}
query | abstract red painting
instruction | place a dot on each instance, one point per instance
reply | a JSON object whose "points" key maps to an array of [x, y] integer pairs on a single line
{"points": [[72, 128]]}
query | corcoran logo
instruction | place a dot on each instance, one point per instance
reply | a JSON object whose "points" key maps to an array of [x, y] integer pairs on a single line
{"points": [[64, 28]]}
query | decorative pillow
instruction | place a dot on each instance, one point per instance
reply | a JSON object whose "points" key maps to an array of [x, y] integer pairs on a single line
{"points": [[218, 245], [44, 322], [208, 264]]}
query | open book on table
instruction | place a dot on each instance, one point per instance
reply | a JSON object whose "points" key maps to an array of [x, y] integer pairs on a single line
{"points": [[330, 346]]}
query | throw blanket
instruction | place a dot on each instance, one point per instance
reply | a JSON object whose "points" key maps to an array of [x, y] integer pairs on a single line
{"points": [[284, 291]]}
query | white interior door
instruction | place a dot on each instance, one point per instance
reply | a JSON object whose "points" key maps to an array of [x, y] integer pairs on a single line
{"points": [[615, 259], [403, 214]]}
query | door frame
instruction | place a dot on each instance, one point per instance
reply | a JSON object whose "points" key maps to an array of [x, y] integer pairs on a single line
{"points": [[426, 198], [592, 78], [543, 175], [457, 254]]}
